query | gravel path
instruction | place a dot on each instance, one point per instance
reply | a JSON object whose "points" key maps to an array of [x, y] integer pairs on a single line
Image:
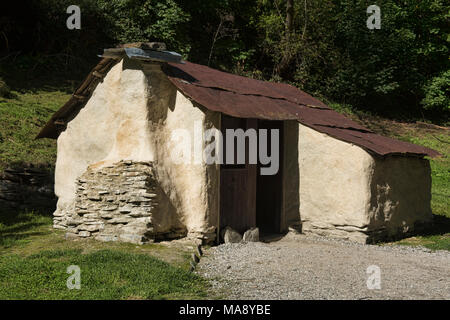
{"points": [[311, 267]]}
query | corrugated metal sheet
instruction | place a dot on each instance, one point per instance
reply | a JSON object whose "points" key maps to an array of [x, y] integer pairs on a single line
{"points": [[248, 98], [152, 55]]}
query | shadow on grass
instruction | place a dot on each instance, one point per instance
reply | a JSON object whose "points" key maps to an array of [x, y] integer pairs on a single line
{"points": [[9, 240], [16, 226], [440, 226], [22, 227], [10, 217], [435, 237]]}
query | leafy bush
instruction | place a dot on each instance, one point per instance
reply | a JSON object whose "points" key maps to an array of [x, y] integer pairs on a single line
{"points": [[144, 20], [329, 51], [437, 93], [332, 52]]}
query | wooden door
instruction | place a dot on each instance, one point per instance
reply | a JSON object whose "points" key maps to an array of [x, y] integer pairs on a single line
{"points": [[237, 183]]}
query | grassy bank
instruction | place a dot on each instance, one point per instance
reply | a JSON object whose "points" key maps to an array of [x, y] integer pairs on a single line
{"points": [[34, 259], [105, 274], [21, 118]]}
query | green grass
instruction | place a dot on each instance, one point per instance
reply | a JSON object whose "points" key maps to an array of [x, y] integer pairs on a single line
{"points": [[105, 274], [34, 258], [18, 229], [433, 242], [21, 118]]}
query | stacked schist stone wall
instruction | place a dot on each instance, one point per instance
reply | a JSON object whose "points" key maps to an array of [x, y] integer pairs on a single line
{"points": [[116, 203]]}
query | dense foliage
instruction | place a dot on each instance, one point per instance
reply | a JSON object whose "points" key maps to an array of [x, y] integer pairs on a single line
{"points": [[322, 47], [437, 92]]}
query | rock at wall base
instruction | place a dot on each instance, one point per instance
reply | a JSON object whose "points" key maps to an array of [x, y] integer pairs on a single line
{"points": [[231, 236], [60, 227], [71, 235], [251, 235], [295, 228], [132, 238], [84, 234], [107, 237]]}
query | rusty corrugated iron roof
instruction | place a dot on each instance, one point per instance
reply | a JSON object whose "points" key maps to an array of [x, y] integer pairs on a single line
{"points": [[246, 98], [249, 98]]}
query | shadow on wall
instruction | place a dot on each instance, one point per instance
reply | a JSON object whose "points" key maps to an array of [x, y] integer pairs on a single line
{"points": [[168, 215], [161, 100], [401, 207], [291, 183]]}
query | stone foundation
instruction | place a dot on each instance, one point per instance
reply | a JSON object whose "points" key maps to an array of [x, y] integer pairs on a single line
{"points": [[117, 203], [364, 235]]}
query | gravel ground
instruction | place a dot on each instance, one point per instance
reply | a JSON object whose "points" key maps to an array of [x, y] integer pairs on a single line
{"points": [[311, 267]]}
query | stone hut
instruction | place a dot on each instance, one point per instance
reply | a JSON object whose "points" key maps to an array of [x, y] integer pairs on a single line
{"points": [[116, 177]]}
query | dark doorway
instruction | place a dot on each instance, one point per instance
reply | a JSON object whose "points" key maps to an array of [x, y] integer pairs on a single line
{"points": [[247, 198], [269, 188]]}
